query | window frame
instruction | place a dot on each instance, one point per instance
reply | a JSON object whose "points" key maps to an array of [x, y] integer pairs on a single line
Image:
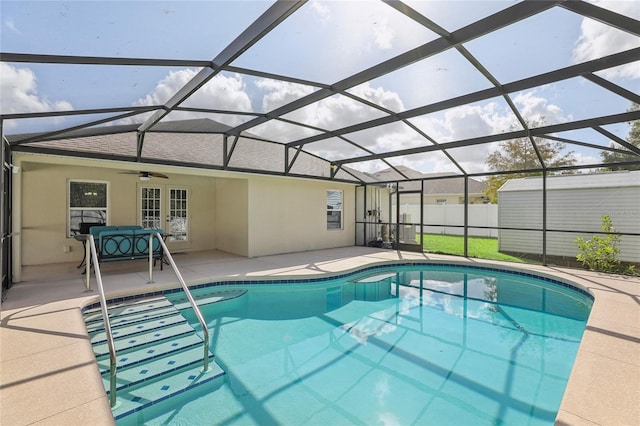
{"points": [[71, 233], [339, 210], [187, 210], [141, 209]]}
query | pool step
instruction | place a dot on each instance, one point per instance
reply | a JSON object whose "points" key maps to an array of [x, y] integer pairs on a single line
{"points": [[154, 368], [127, 308], [125, 330], [152, 392], [140, 355], [120, 320], [124, 343], [159, 354], [206, 296]]}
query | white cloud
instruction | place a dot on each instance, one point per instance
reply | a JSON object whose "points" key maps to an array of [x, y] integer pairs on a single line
{"points": [[469, 121], [379, 96], [330, 113], [466, 122], [221, 92], [321, 11], [384, 34], [20, 94], [597, 39], [334, 112], [12, 26], [353, 37], [279, 93], [585, 159], [534, 108]]}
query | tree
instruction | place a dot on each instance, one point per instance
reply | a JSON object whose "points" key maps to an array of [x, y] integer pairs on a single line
{"points": [[519, 154], [633, 139]]}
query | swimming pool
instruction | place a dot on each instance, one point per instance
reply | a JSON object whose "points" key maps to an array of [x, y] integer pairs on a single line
{"points": [[395, 344]]}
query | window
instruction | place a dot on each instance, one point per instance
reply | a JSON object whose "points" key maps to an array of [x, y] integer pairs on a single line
{"points": [[334, 209], [178, 214], [87, 203], [150, 208]]}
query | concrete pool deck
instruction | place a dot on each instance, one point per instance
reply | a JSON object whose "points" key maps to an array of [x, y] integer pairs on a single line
{"points": [[48, 374]]}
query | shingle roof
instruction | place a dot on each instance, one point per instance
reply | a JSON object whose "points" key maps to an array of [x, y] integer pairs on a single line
{"points": [[449, 184]]}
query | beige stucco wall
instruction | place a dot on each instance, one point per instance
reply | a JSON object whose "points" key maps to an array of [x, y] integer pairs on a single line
{"points": [[248, 215], [290, 215], [232, 225], [40, 208]]}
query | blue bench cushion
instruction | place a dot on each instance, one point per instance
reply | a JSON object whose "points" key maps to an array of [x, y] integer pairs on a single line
{"points": [[96, 230], [133, 227]]}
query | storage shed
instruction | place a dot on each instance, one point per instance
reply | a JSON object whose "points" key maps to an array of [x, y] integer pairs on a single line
{"points": [[574, 203]]}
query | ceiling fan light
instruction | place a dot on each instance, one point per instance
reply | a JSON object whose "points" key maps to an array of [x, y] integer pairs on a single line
{"points": [[144, 178]]}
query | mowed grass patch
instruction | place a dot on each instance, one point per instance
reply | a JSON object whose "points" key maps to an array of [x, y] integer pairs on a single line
{"points": [[480, 247]]}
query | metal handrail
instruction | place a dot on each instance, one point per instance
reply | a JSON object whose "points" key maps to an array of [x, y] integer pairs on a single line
{"points": [[107, 324], [91, 248], [192, 301]]}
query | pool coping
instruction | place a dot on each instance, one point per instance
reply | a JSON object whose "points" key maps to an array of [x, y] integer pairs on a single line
{"points": [[603, 387]]}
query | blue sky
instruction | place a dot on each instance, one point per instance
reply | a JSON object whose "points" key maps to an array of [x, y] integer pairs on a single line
{"points": [[323, 42]]}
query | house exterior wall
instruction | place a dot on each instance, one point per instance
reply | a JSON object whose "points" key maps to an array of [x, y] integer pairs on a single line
{"points": [[570, 209], [290, 215], [248, 215], [232, 218], [40, 217]]}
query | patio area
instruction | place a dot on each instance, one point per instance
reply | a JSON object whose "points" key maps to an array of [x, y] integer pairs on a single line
{"points": [[50, 376]]}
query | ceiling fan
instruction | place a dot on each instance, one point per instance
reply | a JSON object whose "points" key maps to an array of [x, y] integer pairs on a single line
{"points": [[147, 175]]}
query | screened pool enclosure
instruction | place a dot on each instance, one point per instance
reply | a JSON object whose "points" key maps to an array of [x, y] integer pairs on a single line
{"points": [[396, 98]]}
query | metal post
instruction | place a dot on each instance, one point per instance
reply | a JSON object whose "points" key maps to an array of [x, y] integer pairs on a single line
{"points": [[365, 220], [194, 305], [397, 216], [422, 216], [6, 170], [87, 256], [466, 216], [544, 217], [151, 259], [107, 324], [356, 206]]}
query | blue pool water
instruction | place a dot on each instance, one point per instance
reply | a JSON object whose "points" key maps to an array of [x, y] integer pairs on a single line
{"points": [[405, 345]]}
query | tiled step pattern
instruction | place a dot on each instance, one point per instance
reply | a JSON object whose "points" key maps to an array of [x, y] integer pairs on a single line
{"points": [[159, 355], [205, 296]]}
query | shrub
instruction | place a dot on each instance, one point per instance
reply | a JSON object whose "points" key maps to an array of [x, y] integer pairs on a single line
{"points": [[600, 253]]}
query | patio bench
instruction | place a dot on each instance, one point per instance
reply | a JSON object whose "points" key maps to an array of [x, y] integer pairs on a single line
{"points": [[130, 242]]}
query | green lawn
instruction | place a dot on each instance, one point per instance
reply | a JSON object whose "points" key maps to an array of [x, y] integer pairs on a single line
{"points": [[480, 247]]}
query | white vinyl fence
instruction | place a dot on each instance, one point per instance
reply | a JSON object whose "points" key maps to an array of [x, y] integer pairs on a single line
{"points": [[448, 219]]}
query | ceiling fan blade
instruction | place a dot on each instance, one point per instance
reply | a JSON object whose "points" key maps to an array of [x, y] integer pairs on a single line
{"points": [[158, 175], [144, 174]]}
